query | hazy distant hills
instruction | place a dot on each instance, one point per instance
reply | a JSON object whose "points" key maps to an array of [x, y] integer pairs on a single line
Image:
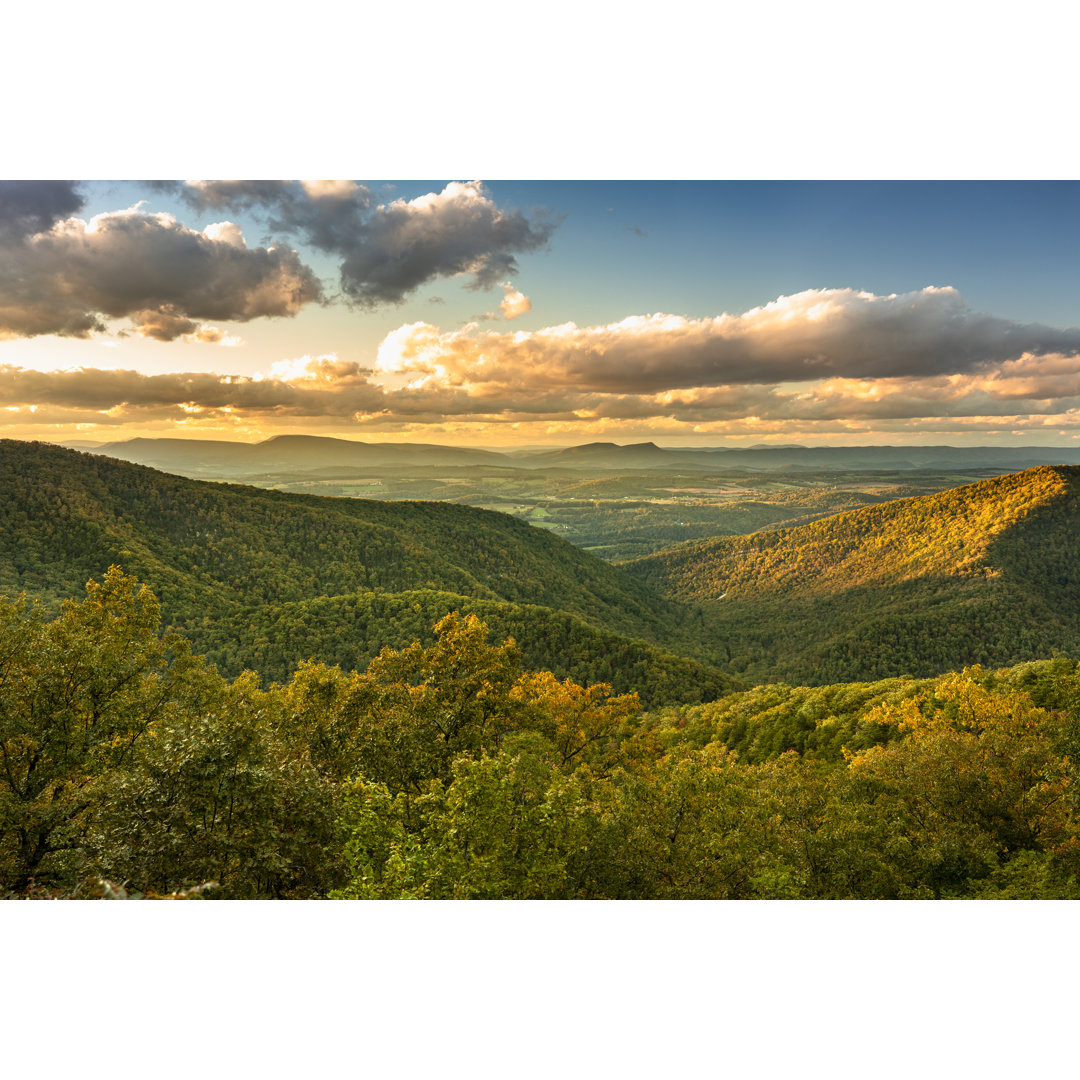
{"points": [[607, 455], [987, 573], [787, 458], [285, 452], [303, 453], [233, 566]]}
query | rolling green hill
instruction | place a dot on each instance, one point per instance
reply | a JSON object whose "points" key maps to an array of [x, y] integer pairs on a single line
{"points": [[351, 629], [229, 563], [988, 573]]}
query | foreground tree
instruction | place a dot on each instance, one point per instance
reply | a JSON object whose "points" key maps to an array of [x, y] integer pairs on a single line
{"points": [[978, 778], [77, 696], [217, 794], [122, 756], [508, 826]]}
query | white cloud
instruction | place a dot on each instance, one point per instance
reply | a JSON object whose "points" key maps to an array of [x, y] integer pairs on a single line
{"points": [[388, 250], [330, 189], [74, 278], [514, 303], [819, 333], [227, 232]]}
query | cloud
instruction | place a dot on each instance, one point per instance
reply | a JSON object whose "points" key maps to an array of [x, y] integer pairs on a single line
{"points": [[514, 303], [338, 390], [458, 231], [331, 189], [212, 335], [388, 250], [816, 334], [231, 194], [73, 277], [227, 232], [847, 376], [321, 387], [161, 324], [166, 325], [33, 206], [325, 392]]}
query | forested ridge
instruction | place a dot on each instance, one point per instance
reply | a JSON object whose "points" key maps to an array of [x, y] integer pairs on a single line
{"points": [[988, 573], [351, 629], [263, 580], [946, 534], [65, 512]]}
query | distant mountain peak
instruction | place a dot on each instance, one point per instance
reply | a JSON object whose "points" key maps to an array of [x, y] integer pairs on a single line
{"points": [[309, 440]]}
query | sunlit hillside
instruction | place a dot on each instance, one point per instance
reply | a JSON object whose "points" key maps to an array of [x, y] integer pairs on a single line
{"points": [[987, 573]]}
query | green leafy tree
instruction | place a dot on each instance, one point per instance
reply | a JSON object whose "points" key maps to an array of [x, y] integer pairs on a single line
{"points": [[404, 720], [508, 826], [684, 829], [977, 779], [77, 696], [216, 794]]}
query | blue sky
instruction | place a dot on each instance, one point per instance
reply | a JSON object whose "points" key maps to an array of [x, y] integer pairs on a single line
{"points": [[719, 313], [1009, 246]]}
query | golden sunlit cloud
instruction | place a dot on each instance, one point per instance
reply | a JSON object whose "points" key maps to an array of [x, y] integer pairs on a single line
{"points": [[819, 364], [330, 189], [514, 303], [819, 333], [213, 335]]}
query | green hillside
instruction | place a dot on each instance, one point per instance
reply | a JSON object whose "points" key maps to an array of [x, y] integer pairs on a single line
{"points": [[986, 573], [263, 579], [229, 562], [350, 631]]}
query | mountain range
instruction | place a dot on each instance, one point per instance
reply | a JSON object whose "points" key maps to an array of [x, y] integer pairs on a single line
{"points": [[304, 453], [260, 578], [985, 573]]}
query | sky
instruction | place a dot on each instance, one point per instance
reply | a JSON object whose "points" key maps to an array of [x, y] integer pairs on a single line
{"points": [[504, 313]]}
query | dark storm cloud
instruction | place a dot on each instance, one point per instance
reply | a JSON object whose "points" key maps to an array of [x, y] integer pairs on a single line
{"points": [[33, 206]]}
